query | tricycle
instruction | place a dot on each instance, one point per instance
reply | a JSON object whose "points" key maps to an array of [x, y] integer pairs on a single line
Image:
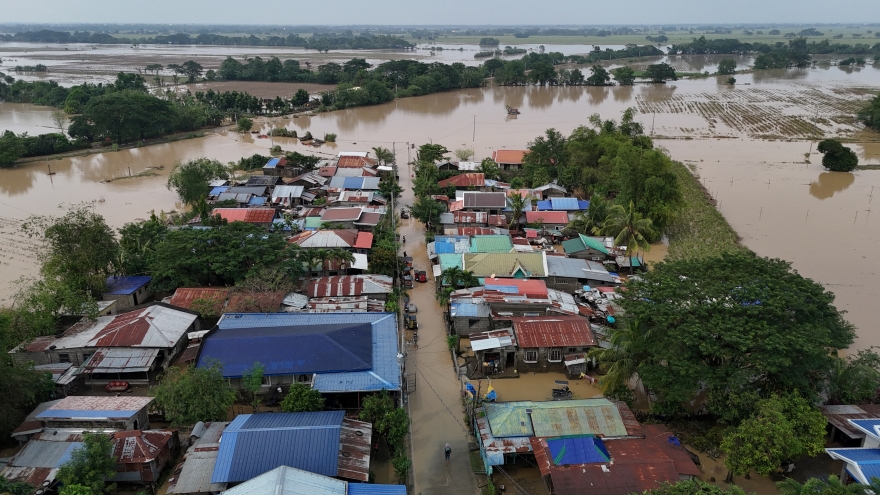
{"points": [[561, 391], [116, 386]]}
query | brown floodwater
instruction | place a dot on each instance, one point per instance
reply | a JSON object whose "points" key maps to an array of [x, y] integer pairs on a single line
{"points": [[32, 119]]}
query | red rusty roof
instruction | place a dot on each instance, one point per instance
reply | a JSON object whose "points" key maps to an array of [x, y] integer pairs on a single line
{"points": [[469, 231], [352, 213], [497, 221], [354, 162], [553, 331], [464, 180], [39, 344], [551, 217], [513, 157], [126, 329], [839, 416], [355, 438], [327, 171], [364, 241], [138, 447], [249, 215], [533, 289], [661, 436], [335, 286], [185, 296], [190, 353], [470, 217]]}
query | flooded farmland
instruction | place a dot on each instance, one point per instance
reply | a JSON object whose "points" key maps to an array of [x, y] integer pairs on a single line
{"points": [[753, 144]]}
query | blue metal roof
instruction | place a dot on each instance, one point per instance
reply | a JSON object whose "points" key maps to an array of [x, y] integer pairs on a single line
{"points": [[577, 450], [859, 456], [544, 205], [465, 309], [583, 205], [564, 203], [121, 286], [272, 163], [290, 349], [353, 183], [65, 458], [869, 426], [257, 200], [217, 191], [368, 489], [385, 370], [254, 444]]}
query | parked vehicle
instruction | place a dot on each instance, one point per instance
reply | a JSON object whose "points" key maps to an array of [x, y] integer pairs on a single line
{"points": [[410, 322], [421, 276], [561, 391], [116, 386], [411, 308], [407, 282], [404, 213]]}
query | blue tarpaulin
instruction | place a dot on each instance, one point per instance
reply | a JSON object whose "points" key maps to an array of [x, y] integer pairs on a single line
{"points": [[577, 450]]}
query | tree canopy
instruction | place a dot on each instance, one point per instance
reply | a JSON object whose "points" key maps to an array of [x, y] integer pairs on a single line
{"points": [[189, 179], [838, 158], [91, 464], [196, 394], [869, 114], [694, 487], [660, 73], [302, 398], [730, 326]]}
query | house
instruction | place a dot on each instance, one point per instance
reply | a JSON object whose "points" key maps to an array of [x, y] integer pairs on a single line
{"points": [[509, 159], [354, 159], [142, 455], [90, 412], [445, 165], [470, 218], [128, 291], [861, 464], [505, 428], [588, 248], [842, 430], [256, 216], [356, 172], [471, 181], [368, 221], [279, 167], [247, 190], [480, 309], [325, 443], [203, 300], [490, 202], [326, 239], [262, 180], [360, 183], [545, 341], [445, 244], [494, 352], [372, 286], [64, 375], [550, 190], [552, 222], [287, 196], [465, 166], [342, 216], [345, 354], [591, 465], [193, 475], [133, 346], [359, 198], [571, 274], [309, 180], [290, 481], [506, 265], [563, 204], [491, 244]]}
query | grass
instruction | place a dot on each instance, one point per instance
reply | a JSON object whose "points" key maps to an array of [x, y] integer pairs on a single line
{"points": [[699, 230], [477, 462], [868, 167]]}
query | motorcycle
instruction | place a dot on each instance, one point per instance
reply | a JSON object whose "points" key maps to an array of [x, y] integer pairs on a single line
{"points": [[561, 392]]}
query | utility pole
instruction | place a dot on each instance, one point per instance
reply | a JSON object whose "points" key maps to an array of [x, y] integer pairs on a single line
{"points": [[474, 140]]}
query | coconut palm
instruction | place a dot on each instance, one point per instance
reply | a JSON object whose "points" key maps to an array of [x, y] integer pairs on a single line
{"points": [[383, 155], [587, 222], [444, 296], [628, 227], [455, 277], [627, 351], [340, 256], [517, 203], [833, 486]]}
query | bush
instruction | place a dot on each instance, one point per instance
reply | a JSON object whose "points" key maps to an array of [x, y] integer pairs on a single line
{"points": [[330, 137], [401, 465], [838, 158], [731, 80], [244, 124], [307, 136]]}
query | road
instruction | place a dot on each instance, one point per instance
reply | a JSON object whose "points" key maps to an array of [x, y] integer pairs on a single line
{"points": [[435, 407]]}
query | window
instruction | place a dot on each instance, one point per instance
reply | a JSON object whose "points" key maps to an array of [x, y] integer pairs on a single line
{"points": [[572, 349], [267, 381], [531, 356], [555, 355], [86, 356], [531, 314], [64, 358]]}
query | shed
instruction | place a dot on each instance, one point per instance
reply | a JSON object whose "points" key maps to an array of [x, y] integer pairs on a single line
{"points": [[544, 341], [590, 248], [495, 348], [123, 413], [128, 291]]}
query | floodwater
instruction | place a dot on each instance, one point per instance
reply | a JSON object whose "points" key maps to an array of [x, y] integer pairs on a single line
{"points": [[32, 119], [755, 132]]}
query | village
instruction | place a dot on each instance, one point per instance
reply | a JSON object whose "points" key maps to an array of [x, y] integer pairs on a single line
{"points": [[499, 291]]}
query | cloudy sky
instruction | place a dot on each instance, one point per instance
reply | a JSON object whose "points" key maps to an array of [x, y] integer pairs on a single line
{"points": [[458, 12]]}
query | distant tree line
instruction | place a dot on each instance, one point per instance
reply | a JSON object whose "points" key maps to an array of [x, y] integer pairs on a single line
{"points": [[701, 46], [321, 43]]}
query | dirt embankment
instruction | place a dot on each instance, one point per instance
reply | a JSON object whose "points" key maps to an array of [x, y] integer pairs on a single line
{"points": [[259, 89]]}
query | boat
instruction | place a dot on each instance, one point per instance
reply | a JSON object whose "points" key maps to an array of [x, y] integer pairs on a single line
{"points": [[511, 110]]}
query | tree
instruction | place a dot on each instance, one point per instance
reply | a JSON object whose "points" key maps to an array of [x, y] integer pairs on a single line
{"points": [[16, 488], [302, 398], [628, 228], [22, 387], [456, 277], [259, 290], [430, 153], [383, 261], [136, 241], [300, 98], [124, 116], [91, 464], [490, 169], [625, 354], [192, 70], [190, 179], [252, 382], [726, 66], [869, 114], [492, 65], [831, 486], [659, 73], [719, 315], [517, 202], [75, 490], [198, 394], [463, 154], [384, 155], [854, 379], [775, 434], [11, 149], [60, 119], [694, 487], [390, 189], [244, 125], [78, 249], [624, 76], [427, 211], [838, 158], [598, 76]]}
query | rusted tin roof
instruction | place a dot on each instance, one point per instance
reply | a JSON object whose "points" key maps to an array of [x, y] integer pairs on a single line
{"points": [[138, 447], [95, 407], [838, 416], [496, 448], [184, 297], [348, 285], [663, 438], [470, 217], [154, 326], [121, 360], [509, 157], [553, 331], [355, 162], [342, 214], [249, 215], [355, 438], [190, 353], [464, 180], [473, 199]]}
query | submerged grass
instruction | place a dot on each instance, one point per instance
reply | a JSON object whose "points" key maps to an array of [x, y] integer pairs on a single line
{"points": [[699, 230]]}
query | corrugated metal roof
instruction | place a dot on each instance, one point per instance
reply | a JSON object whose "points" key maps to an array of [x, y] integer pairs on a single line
{"points": [[533, 289], [564, 203], [509, 157], [464, 180], [680, 457], [121, 286], [253, 190], [447, 218], [185, 296], [272, 163], [450, 261], [355, 438], [285, 480], [470, 217], [600, 417], [369, 218], [121, 360], [451, 244], [342, 214], [838, 416], [257, 201], [491, 244], [95, 407], [254, 444], [469, 310], [262, 180], [313, 222], [349, 285], [248, 215], [364, 241], [553, 331], [586, 449], [155, 326], [322, 239], [62, 373], [385, 372], [44, 454], [216, 191], [493, 339], [473, 199], [284, 195], [547, 217], [516, 265], [138, 447], [495, 448], [372, 489]]}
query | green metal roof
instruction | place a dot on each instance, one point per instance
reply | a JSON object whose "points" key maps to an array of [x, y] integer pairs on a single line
{"points": [[313, 222], [599, 417], [450, 260], [491, 244], [593, 243], [572, 246], [506, 265], [583, 242]]}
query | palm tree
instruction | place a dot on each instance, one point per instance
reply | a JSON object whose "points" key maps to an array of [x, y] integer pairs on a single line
{"points": [[517, 203], [625, 354], [455, 277], [443, 297], [628, 227], [340, 256], [383, 155], [817, 486]]}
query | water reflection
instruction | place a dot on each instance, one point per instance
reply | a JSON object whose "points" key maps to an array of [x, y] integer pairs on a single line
{"points": [[829, 183]]}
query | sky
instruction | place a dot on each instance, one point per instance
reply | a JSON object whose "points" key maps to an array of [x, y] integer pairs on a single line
{"points": [[433, 12]]}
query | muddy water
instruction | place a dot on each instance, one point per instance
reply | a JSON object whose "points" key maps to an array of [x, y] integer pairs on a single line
{"points": [[784, 208], [32, 119], [30, 190]]}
